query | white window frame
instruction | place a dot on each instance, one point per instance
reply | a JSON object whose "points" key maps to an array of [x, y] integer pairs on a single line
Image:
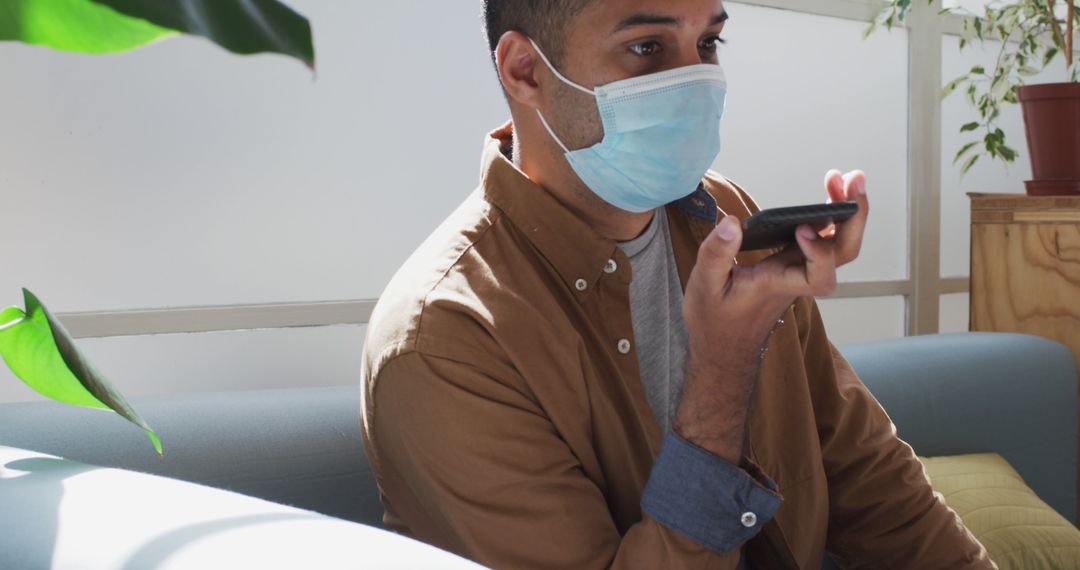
{"points": [[922, 289]]}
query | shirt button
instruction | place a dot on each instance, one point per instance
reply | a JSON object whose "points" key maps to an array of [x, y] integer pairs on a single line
{"points": [[611, 267], [749, 520], [581, 284], [624, 346]]}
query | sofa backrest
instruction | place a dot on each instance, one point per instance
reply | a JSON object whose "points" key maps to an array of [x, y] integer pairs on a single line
{"points": [[296, 447], [948, 394], [1015, 395]]}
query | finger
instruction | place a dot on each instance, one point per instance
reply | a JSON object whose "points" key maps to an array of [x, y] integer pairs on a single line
{"points": [[716, 256], [789, 256], [807, 269], [834, 186], [825, 229], [850, 234], [819, 271]]}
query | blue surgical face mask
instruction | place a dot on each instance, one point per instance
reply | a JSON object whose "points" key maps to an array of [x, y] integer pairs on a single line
{"points": [[661, 134]]}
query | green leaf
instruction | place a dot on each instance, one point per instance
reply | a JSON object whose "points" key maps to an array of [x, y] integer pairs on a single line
{"points": [[969, 127], [967, 165], [999, 87], [993, 140], [1007, 154], [10, 317], [39, 350], [1049, 56], [106, 26], [951, 86], [869, 31], [240, 26], [75, 25], [964, 150]]}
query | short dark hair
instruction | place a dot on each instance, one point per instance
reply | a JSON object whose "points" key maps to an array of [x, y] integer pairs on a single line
{"points": [[545, 21]]}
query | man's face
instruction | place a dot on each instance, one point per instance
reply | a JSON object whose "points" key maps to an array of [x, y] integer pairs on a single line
{"points": [[613, 40], [618, 39]]}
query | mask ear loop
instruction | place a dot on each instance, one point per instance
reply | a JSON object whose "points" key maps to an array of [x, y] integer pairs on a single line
{"points": [[551, 132], [562, 78]]}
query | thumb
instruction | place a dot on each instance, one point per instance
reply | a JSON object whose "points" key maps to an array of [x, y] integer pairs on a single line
{"points": [[716, 257]]}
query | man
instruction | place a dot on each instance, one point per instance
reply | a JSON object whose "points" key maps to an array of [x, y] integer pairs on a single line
{"points": [[574, 371]]}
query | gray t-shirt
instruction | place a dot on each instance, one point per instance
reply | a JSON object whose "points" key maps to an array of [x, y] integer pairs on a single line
{"points": [[656, 299]]}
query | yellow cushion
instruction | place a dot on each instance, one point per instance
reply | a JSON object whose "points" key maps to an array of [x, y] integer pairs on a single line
{"points": [[1019, 530]]}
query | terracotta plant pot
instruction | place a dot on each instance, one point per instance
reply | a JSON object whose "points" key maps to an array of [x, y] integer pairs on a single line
{"points": [[1052, 121]]}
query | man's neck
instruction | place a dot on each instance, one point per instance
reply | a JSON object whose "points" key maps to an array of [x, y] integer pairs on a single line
{"points": [[606, 220]]}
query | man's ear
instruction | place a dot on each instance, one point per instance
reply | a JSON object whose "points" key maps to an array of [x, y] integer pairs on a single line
{"points": [[519, 68]]}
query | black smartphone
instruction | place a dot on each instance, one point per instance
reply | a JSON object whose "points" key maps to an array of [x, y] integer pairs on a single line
{"points": [[776, 227]]}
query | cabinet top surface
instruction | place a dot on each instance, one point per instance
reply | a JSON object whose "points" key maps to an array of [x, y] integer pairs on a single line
{"points": [[980, 201]]}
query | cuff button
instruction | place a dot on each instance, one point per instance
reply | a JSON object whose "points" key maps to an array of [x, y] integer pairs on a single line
{"points": [[749, 520]]}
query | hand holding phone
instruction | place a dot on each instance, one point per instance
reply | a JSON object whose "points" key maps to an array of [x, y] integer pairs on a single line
{"points": [[776, 227], [732, 307]]}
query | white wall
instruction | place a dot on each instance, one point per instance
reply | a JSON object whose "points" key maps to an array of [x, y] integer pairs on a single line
{"points": [[955, 310], [864, 320], [821, 98], [181, 175], [163, 365], [986, 176]]}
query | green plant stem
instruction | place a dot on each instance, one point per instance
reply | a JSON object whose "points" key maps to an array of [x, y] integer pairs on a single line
{"points": [[1066, 37], [999, 64], [1054, 24], [1070, 19]]}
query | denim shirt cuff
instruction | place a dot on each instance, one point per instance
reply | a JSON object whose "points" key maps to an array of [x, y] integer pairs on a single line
{"points": [[706, 498]]}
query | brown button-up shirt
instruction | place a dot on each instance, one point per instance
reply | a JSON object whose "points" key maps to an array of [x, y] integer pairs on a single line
{"points": [[505, 418]]}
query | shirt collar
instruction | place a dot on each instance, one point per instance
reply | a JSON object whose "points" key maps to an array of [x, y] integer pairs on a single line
{"points": [[576, 251]]}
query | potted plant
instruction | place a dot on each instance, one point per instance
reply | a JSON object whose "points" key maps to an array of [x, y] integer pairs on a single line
{"points": [[1038, 33]]}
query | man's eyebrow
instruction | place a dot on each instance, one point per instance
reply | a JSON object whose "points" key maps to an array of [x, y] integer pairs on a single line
{"points": [[663, 20], [646, 20]]}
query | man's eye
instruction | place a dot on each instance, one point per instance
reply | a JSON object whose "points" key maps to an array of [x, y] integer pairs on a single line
{"points": [[711, 44], [646, 49]]}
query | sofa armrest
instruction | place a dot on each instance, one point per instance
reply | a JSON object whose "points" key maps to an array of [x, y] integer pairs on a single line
{"points": [[63, 514], [1015, 395], [297, 447]]}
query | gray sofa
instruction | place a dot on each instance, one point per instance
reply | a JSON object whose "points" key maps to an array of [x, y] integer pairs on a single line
{"points": [[948, 394]]}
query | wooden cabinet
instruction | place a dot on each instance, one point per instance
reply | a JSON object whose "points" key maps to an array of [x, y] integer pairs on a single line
{"points": [[1025, 266]]}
